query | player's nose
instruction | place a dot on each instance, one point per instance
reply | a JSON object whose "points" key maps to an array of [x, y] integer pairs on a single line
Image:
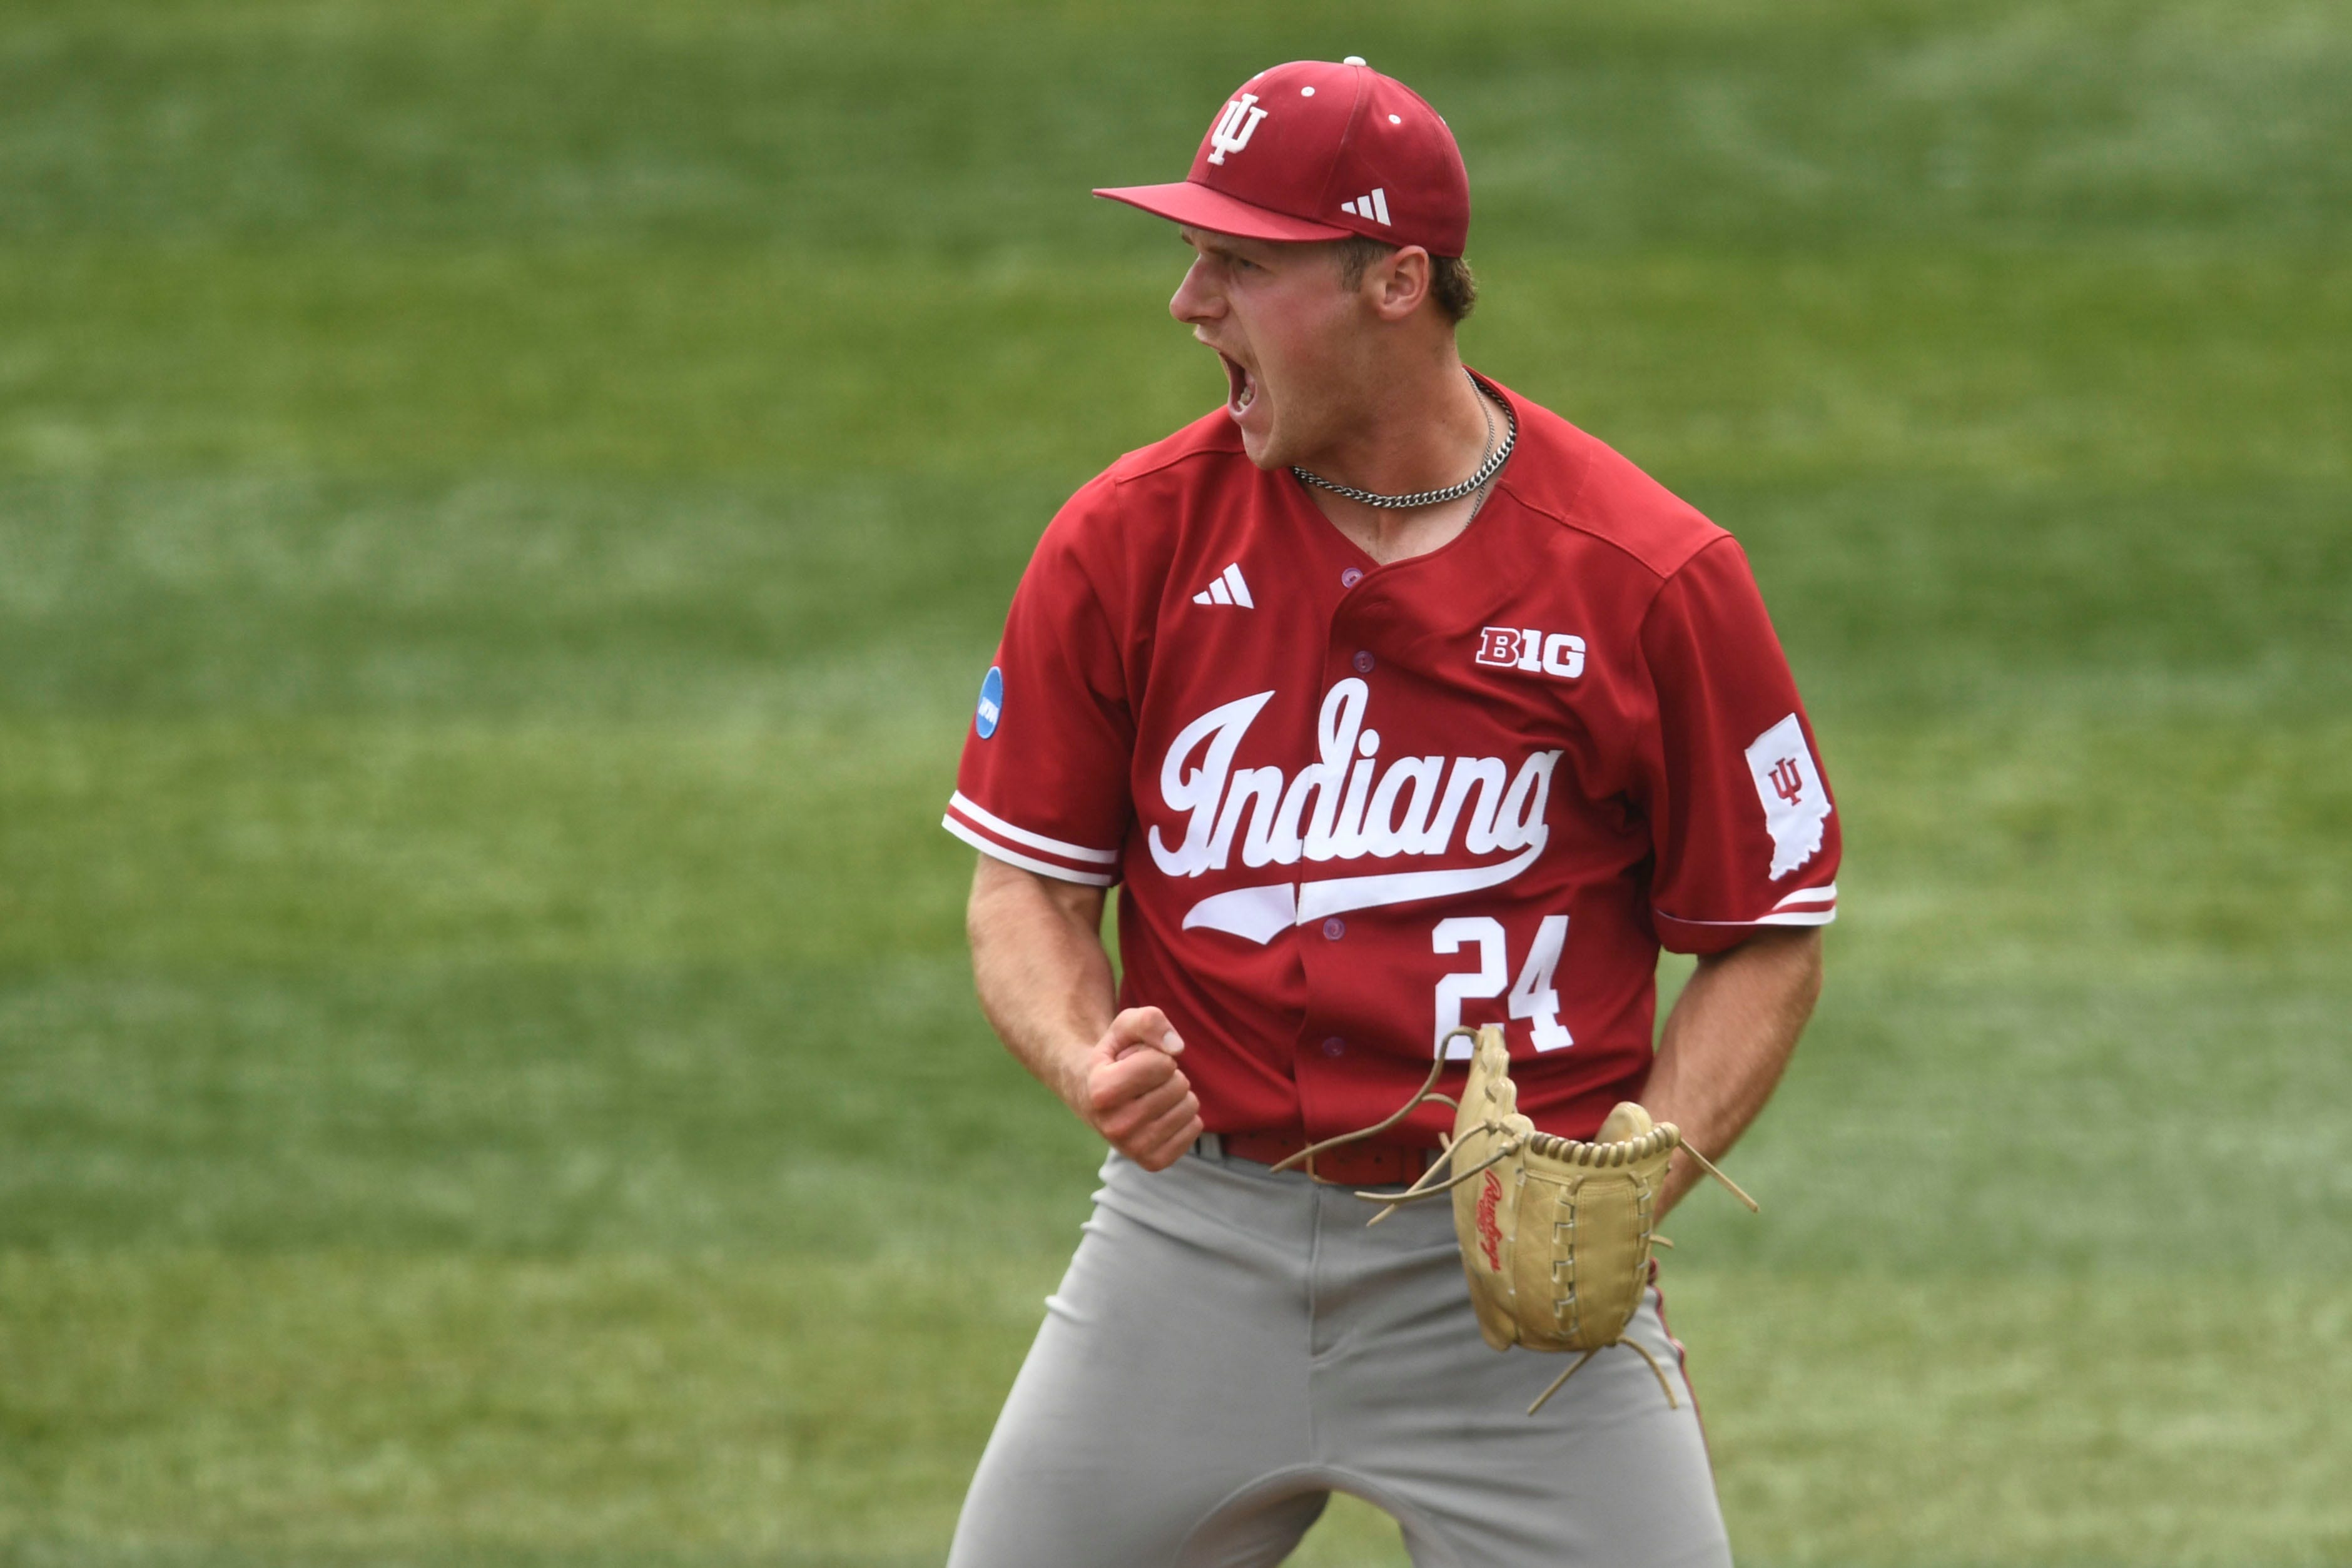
{"points": [[1196, 298]]}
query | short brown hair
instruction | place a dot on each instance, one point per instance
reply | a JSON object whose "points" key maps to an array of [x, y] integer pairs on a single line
{"points": [[1451, 283]]}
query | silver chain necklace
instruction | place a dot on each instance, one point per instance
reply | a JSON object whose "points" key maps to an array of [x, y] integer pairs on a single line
{"points": [[1496, 458]]}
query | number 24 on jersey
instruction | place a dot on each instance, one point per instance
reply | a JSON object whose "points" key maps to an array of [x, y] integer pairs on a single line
{"points": [[1533, 995]]}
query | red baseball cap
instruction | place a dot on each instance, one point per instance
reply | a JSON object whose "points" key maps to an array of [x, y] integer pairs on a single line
{"points": [[1312, 151]]}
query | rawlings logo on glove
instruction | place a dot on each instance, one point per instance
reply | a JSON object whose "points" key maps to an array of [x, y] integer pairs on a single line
{"points": [[1490, 1229]]}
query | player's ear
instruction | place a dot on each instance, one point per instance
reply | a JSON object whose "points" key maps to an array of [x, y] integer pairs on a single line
{"points": [[1404, 277]]}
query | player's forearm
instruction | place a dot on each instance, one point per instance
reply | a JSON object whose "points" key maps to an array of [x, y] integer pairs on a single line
{"points": [[1727, 1041], [1038, 964]]}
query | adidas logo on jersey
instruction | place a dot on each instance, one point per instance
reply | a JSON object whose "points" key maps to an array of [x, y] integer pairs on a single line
{"points": [[1374, 206], [1227, 588]]}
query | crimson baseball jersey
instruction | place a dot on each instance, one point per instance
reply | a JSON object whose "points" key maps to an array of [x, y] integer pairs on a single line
{"points": [[1351, 806]]}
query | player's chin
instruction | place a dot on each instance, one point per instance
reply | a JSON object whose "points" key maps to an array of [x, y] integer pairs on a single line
{"points": [[1259, 448], [1262, 439]]}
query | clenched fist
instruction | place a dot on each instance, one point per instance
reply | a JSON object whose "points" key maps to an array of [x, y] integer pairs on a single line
{"points": [[1133, 1093]]}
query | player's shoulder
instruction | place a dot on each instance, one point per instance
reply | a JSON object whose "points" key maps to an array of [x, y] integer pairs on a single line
{"points": [[1200, 456], [1583, 484], [1144, 493], [1200, 452]]}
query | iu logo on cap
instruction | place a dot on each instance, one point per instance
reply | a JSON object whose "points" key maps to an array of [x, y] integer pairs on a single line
{"points": [[1235, 126]]}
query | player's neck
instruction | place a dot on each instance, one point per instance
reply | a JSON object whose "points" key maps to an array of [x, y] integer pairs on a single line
{"points": [[1425, 427]]}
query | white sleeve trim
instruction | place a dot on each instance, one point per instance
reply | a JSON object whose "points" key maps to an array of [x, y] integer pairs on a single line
{"points": [[1783, 917], [1810, 896], [1026, 863], [995, 824], [1792, 917]]}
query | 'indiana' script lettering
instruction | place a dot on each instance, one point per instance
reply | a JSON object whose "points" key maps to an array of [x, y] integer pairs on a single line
{"points": [[1345, 805]]}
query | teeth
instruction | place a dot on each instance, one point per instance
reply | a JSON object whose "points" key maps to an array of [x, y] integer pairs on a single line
{"points": [[1245, 385]]}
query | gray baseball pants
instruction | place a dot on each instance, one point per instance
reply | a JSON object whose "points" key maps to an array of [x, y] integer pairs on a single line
{"points": [[1231, 1347]]}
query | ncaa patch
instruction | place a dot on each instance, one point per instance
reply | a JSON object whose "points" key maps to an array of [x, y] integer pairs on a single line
{"points": [[991, 702], [1795, 804]]}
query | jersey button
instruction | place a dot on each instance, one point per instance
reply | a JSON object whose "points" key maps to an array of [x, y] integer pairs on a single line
{"points": [[1363, 663], [1334, 1046], [1334, 928], [1353, 576]]}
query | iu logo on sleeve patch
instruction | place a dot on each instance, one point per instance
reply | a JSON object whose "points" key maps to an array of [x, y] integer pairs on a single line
{"points": [[1789, 786]]}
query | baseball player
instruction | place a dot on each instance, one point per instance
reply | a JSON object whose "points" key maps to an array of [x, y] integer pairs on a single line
{"points": [[1391, 702]]}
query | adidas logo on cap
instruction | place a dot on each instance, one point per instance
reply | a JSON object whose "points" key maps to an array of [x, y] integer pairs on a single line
{"points": [[1374, 206]]}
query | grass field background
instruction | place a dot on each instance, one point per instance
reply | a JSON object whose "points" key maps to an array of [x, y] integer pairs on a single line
{"points": [[503, 510]]}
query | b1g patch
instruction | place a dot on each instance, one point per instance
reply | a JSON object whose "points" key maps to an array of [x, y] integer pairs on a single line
{"points": [[991, 702], [1795, 804], [1532, 650]]}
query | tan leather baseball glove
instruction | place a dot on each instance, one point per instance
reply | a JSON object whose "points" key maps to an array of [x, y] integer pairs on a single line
{"points": [[1556, 1232]]}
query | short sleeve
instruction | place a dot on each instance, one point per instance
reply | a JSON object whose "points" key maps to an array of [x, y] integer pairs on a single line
{"points": [[1745, 826], [1044, 780]]}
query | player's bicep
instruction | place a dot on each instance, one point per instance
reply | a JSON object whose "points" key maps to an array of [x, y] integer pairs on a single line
{"points": [[1001, 890]]}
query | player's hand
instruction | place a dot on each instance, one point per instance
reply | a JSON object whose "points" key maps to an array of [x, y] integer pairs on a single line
{"points": [[1135, 1095]]}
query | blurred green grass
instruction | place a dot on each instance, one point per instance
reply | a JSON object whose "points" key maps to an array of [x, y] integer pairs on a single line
{"points": [[711, 360], [502, 509], [624, 1408], [924, 127]]}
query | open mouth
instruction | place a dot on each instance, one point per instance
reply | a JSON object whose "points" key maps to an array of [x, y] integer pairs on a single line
{"points": [[1241, 387]]}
